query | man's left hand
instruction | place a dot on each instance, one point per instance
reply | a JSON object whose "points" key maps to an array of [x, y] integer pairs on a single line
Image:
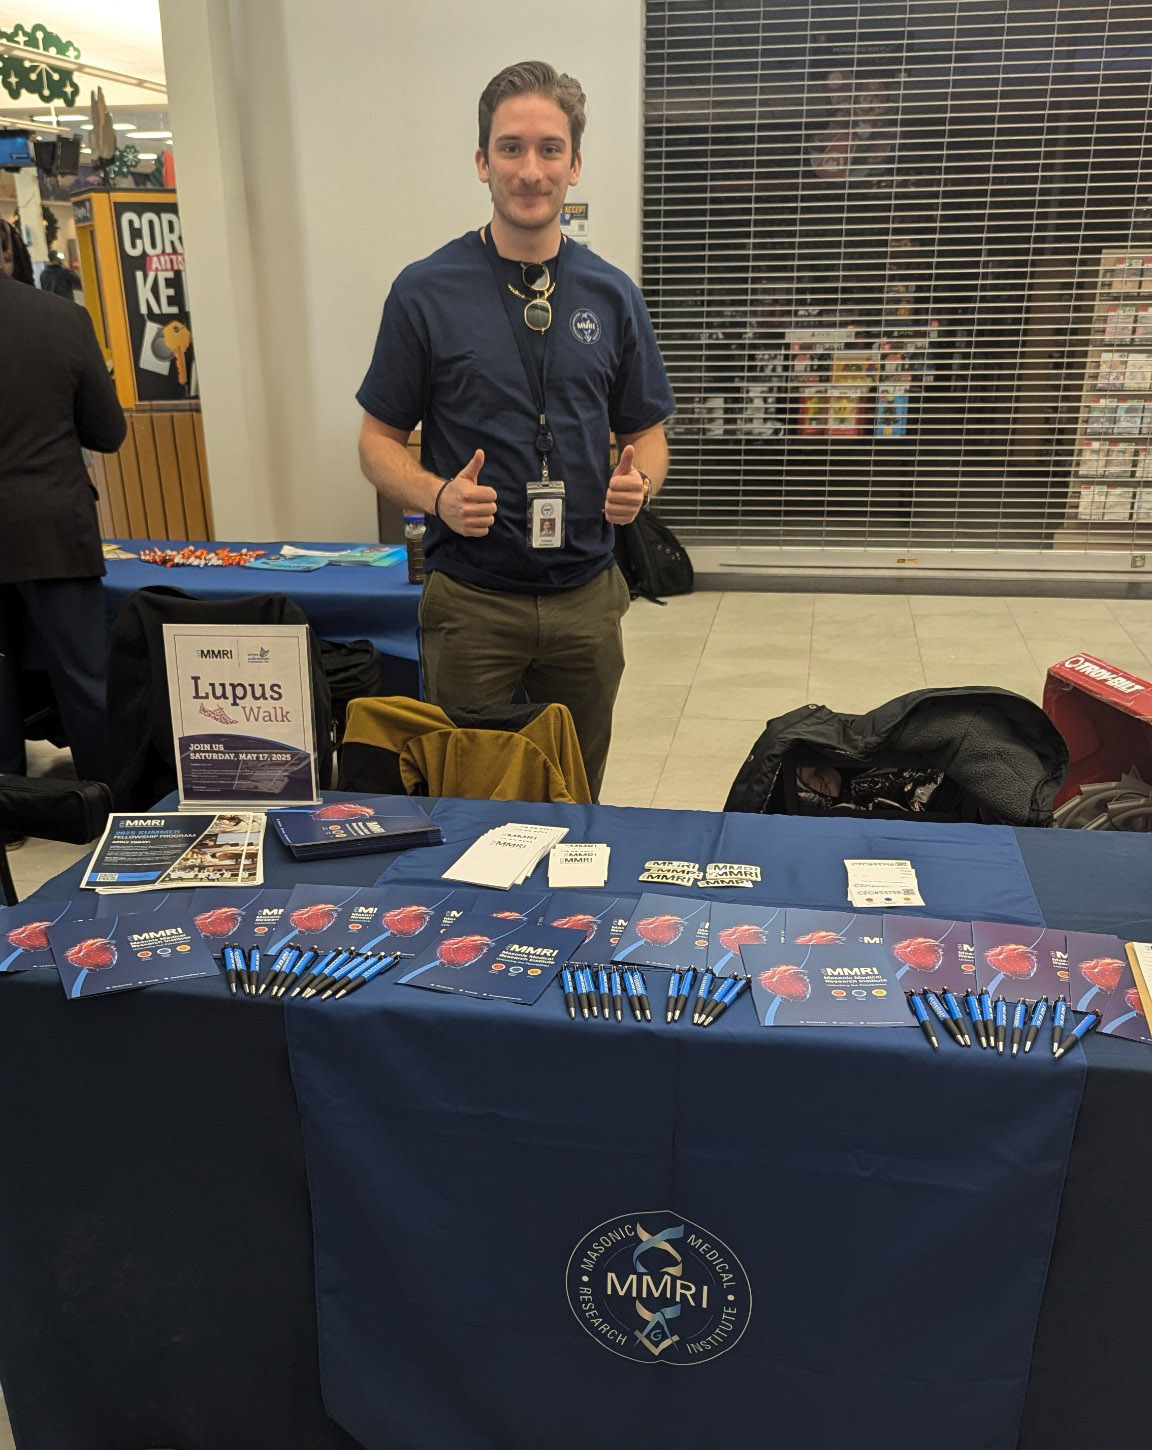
{"points": [[625, 495]]}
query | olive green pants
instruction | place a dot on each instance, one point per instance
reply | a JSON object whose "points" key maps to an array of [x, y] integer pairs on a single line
{"points": [[477, 646]]}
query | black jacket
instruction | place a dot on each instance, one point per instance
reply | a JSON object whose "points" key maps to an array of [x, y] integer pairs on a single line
{"points": [[1003, 753], [55, 398]]}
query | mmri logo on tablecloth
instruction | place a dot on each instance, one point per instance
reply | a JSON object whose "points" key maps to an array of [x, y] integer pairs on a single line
{"points": [[655, 1288]]}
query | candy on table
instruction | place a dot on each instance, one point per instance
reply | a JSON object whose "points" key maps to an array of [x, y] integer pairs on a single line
{"points": [[201, 558]]}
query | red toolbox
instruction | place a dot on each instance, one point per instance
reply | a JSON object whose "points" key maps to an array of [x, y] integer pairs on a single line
{"points": [[1105, 715]]}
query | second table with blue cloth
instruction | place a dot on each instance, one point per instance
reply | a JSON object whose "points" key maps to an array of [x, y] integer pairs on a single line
{"points": [[342, 602]]}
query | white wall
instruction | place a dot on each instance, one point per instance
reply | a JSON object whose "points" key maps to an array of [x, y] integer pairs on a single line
{"points": [[320, 148]]}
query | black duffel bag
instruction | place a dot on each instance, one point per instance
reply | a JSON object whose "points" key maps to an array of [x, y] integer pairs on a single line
{"points": [[58, 810]]}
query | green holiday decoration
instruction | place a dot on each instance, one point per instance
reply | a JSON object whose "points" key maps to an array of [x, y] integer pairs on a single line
{"points": [[125, 161], [49, 83]]}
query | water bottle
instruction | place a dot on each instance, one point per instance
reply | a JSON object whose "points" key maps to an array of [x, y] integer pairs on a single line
{"points": [[414, 543]]}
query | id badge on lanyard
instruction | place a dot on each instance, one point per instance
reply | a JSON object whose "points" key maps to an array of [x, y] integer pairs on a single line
{"points": [[546, 512]]}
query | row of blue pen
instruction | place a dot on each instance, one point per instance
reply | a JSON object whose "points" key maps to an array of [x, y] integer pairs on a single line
{"points": [[606, 992], [303, 971], [996, 1026]]}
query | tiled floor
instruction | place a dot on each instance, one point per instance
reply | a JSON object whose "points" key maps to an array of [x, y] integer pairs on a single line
{"points": [[707, 670]]}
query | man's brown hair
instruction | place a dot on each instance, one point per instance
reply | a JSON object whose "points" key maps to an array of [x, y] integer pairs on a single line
{"points": [[534, 78]]}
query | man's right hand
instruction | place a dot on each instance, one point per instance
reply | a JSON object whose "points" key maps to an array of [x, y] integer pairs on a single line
{"points": [[466, 506]]}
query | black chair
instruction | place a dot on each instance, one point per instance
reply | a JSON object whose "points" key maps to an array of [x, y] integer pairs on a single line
{"points": [[142, 753], [55, 810]]}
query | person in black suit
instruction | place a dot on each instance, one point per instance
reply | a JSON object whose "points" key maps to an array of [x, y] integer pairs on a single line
{"points": [[56, 398]]}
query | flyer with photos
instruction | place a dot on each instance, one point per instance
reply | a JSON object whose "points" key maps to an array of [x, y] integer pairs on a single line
{"points": [[241, 698], [149, 849]]}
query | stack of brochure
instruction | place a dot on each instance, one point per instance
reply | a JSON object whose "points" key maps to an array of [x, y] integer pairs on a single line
{"points": [[581, 864], [506, 856], [354, 827]]}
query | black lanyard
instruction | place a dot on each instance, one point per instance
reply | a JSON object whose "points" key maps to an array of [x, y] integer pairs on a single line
{"points": [[536, 377]]}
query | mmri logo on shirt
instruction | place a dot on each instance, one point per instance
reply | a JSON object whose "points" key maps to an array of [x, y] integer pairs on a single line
{"points": [[585, 326]]}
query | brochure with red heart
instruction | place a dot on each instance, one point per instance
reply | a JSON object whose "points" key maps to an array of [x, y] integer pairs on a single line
{"points": [[482, 956], [118, 953], [1020, 963]]}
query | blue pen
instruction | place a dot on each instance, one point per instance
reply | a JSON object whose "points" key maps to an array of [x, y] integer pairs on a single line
{"points": [[617, 997], [986, 1014], [582, 992], [702, 996], [231, 967], [1071, 1038], [302, 964], [1019, 1017], [673, 993], [1059, 1017], [282, 964], [920, 1012], [1039, 1012], [942, 1015], [1001, 1024], [569, 991], [373, 970], [605, 994], [974, 1014], [633, 994], [956, 1014], [348, 970], [642, 993], [684, 993], [590, 983]]}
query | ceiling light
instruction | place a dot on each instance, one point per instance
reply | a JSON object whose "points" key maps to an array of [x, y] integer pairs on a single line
{"points": [[88, 127], [123, 125], [161, 136], [146, 155]]}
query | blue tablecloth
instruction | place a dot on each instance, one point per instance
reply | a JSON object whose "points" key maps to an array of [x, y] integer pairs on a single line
{"points": [[342, 602], [886, 1213]]}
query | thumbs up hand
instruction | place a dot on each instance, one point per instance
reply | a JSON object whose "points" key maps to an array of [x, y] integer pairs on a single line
{"points": [[625, 495], [467, 506]]}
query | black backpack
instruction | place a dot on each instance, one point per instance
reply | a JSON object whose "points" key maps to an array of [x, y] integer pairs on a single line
{"points": [[352, 670], [652, 559]]}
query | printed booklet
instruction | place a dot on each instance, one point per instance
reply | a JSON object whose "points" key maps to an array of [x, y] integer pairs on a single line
{"points": [[666, 931], [482, 956], [354, 828], [117, 953], [24, 931]]}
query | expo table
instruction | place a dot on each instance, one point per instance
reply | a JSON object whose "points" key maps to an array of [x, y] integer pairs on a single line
{"points": [[342, 601], [156, 1269]]}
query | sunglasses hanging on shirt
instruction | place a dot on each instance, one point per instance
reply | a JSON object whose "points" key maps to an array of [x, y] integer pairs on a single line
{"points": [[537, 310]]}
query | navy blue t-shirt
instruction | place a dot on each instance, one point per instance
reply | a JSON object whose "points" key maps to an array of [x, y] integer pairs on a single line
{"points": [[446, 358]]}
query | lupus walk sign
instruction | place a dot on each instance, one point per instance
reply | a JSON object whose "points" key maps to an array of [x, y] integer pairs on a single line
{"points": [[241, 698], [658, 1289]]}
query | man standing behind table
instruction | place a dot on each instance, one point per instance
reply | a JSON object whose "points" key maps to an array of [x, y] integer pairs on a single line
{"points": [[55, 398], [518, 352]]}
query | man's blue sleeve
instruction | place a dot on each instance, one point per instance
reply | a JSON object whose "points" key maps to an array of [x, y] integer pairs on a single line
{"points": [[641, 394], [395, 387]]}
